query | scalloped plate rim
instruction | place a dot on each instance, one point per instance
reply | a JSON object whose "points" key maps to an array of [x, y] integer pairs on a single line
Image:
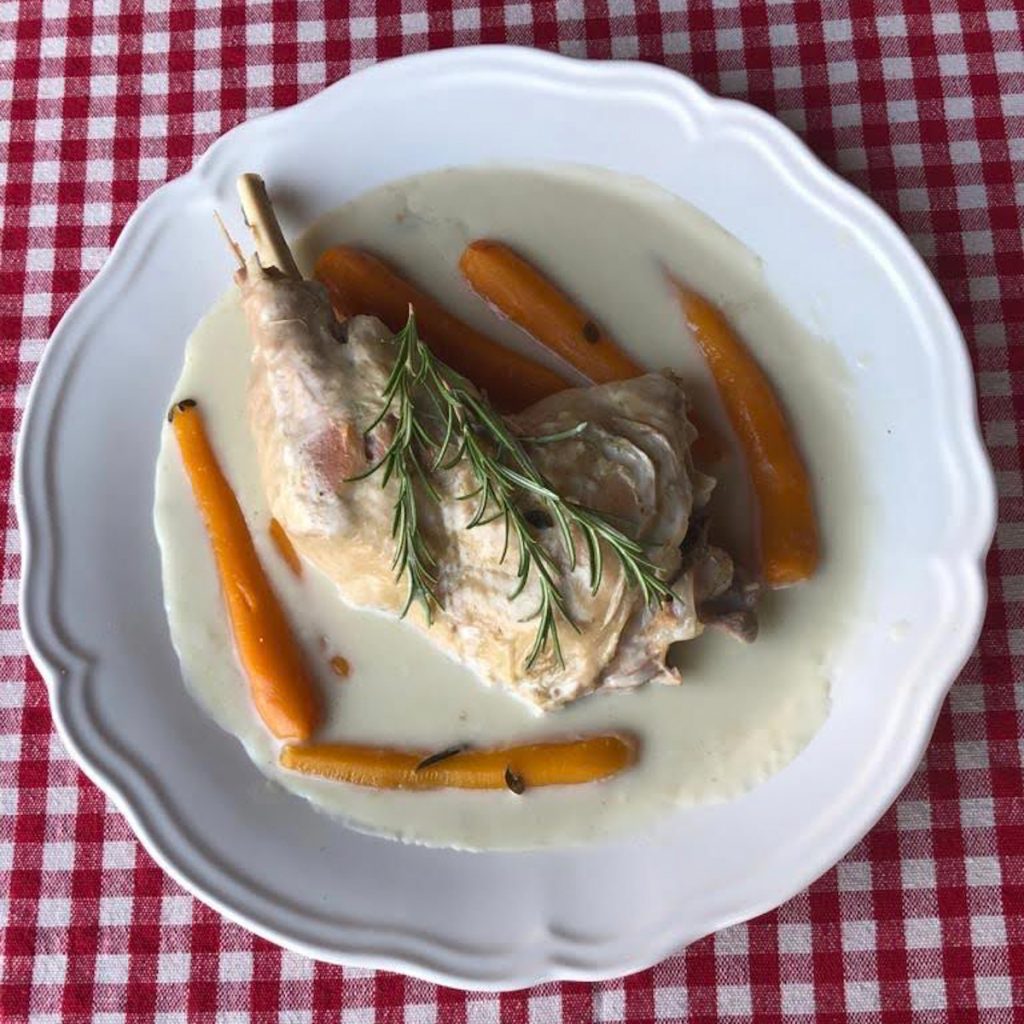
{"points": [[562, 957]]}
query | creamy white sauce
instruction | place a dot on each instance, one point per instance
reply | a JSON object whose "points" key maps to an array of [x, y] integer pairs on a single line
{"points": [[743, 712]]}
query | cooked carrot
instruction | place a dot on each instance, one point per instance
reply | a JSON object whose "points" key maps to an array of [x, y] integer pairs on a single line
{"points": [[518, 290], [498, 274], [788, 528], [285, 548], [282, 688], [536, 764], [361, 283]]}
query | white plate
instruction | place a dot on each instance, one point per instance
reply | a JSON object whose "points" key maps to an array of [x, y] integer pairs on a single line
{"points": [[92, 605]]}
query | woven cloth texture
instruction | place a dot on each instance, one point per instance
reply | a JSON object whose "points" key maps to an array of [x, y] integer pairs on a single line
{"points": [[920, 105]]}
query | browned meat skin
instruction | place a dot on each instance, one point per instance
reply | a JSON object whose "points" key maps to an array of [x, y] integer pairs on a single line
{"points": [[311, 396]]}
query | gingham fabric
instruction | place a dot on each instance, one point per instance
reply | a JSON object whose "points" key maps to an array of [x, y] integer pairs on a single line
{"points": [[920, 105]]}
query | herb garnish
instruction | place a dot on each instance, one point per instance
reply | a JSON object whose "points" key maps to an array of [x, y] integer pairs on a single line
{"points": [[514, 782], [441, 755], [421, 390]]}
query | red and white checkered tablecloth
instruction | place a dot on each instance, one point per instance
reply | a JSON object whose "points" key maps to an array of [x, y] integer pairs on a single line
{"points": [[920, 104]]}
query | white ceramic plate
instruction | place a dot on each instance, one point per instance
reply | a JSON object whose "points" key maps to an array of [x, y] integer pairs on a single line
{"points": [[92, 604]]}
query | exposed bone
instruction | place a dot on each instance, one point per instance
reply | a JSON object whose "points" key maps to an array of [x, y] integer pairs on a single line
{"points": [[271, 247], [232, 244]]}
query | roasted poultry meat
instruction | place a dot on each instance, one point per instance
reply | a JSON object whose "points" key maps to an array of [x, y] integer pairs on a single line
{"points": [[315, 387]]}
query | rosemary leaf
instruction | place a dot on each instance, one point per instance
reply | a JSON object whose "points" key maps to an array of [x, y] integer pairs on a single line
{"points": [[514, 782], [503, 472], [441, 755]]}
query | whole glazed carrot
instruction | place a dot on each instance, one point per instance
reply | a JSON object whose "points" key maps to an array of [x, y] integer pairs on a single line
{"points": [[565, 763], [283, 690], [518, 290], [788, 528], [361, 283]]}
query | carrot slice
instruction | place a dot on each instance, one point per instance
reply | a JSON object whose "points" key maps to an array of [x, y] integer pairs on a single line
{"points": [[282, 688], [285, 548], [361, 283], [498, 274], [788, 528], [565, 763]]}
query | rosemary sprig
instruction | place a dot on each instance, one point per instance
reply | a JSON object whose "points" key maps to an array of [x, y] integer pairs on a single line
{"points": [[422, 389], [402, 461]]}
